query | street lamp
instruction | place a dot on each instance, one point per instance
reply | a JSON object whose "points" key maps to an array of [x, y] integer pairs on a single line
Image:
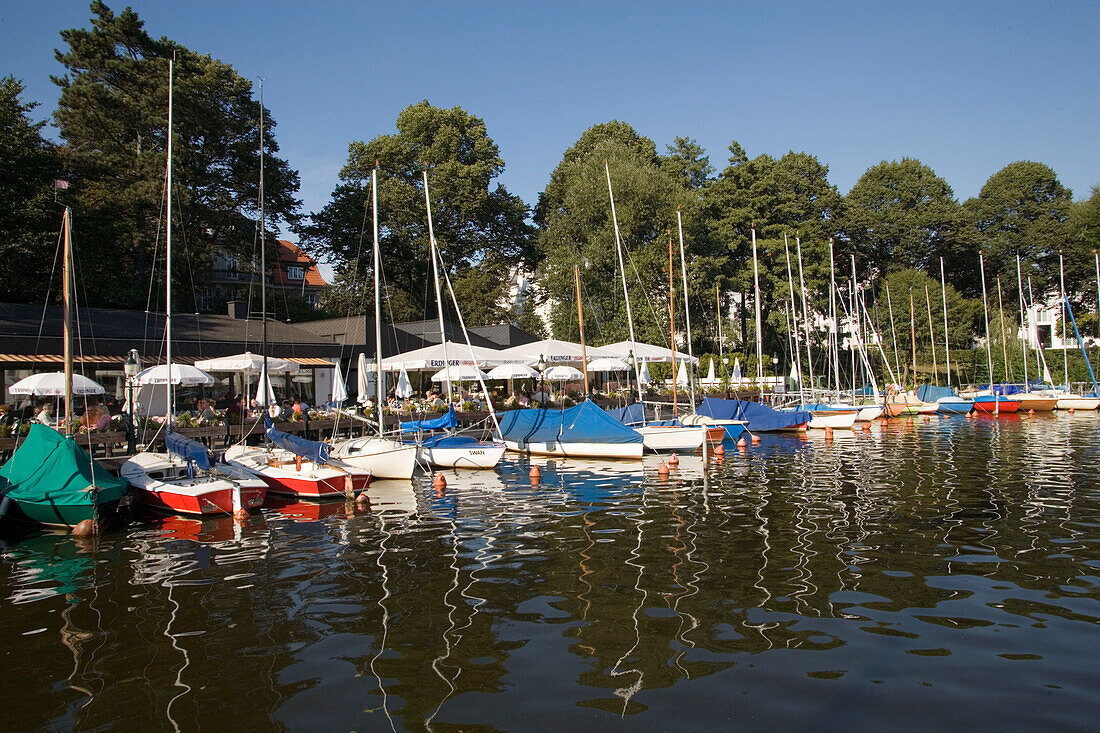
{"points": [[131, 369], [542, 368]]}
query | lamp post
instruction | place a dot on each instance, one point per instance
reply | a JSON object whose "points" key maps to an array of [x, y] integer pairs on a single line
{"points": [[542, 368], [131, 369]]}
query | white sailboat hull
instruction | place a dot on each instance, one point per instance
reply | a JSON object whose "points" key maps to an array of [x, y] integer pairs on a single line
{"points": [[832, 419], [383, 457], [478, 455], [578, 450], [1078, 403], [671, 437]]}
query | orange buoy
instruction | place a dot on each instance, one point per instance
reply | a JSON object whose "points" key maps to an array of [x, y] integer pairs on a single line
{"points": [[297, 463], [1071, 410], [756, 440], [535, 473], [662, 470], [828, 433], [927, 418], [909, 420], [1031, 411], [719, 450], [866, 427], [741, 442], [85, 528], [673, 460], [440, 481], [363, 501], [241, 514]]}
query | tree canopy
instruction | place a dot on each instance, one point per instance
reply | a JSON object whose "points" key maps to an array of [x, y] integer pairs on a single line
{"points": [[481, 230], [113, 115]]}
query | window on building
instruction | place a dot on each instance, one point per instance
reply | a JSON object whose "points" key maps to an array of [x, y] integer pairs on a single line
{"points": [[295, 273], [313, 299]]}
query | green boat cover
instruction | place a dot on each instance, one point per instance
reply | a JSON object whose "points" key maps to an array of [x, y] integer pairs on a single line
{"points": [[49, 477]]}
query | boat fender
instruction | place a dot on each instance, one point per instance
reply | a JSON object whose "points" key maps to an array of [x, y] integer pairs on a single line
{"points": [[719, 450], [85, 528], [440, 481], [673, 460], [297, 463], [662, 470], [536, 473], [741, 442], [756, 440]]}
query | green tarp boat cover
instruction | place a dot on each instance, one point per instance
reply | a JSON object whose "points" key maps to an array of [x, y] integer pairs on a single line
{"points": [[49, 469]]}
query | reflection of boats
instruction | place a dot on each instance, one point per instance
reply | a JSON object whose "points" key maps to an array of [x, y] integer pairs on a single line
{"points": [[209, 529], [584, 430]]}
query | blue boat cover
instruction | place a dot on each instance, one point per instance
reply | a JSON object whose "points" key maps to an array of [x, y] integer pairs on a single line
{"points": [[443, 422], [585, 423], [188, 449], [450, 441], [758, 416], [933, 393], [309, 449]]}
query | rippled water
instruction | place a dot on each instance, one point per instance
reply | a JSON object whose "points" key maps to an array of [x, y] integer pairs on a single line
{"points": [[936, 574]]}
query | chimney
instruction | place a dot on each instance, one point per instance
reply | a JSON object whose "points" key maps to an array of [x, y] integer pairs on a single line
{"points": [[237, 309]]}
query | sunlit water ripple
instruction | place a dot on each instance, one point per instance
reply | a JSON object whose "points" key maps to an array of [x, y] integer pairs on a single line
{"points": [[932, 574]]}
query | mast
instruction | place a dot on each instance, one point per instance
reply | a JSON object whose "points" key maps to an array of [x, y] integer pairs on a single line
{"points": [[438, 295], [988, 347], [168, 258], [1040, 356], [893, 332], [265, 377], [1004, 341], [687, 310], [718, 304], [66, 299], [580, 320], [1023, 323], [672, 323], [1065, 352], [855, 324], [805, 318], [913, 333], [932, 336], [833, 340], [759, 341], [946, 336], [794, 316], [622, 269], [378, 384]]}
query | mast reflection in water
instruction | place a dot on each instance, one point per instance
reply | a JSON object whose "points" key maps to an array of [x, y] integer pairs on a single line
{"points": [[931, 574]]}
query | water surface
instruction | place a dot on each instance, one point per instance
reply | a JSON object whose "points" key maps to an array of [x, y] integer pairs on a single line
{"points": [[934, 574]]}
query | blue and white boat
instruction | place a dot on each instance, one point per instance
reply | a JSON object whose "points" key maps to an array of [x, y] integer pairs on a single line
{"points": [[737, 416], [450, 449], [581, 431], [660, 435]]}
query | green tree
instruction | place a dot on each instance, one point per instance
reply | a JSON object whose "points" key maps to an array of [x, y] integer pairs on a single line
{"points": [[29, 219], [1023, 209], [112, 115], [1081, 249], [901, 214], [789, 196], [576, 228], [688, 161], [480, 229]]}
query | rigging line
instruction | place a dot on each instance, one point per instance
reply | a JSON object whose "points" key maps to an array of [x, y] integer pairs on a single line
{"points": [[49, 287]]}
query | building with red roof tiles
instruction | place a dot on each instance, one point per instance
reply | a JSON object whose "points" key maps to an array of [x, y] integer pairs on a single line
{"points": [[292, 273]]}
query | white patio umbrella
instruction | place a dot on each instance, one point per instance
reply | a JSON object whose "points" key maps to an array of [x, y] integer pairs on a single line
{"points": [[404, 386], [553, 351], [608, 364], [562, 373], [736, 369], [182, 374], [795, 376], [52, 384], [513, 371], [247, 362], [339, 390], [682, 375], [361, 380], [643, 376], [642, 352], [710, 372], [461, 373]]}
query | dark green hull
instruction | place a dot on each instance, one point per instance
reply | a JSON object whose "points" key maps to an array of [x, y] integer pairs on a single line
{"points": [[61, 515]]}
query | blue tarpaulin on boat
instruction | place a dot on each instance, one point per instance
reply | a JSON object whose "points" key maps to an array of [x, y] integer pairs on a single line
{"points": [[443, 422], [585, 423], [188, 449], [932, 393], [309, 449], [758, 416]]}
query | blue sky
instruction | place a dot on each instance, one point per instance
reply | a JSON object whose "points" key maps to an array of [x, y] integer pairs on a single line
{"points": [[966, 87]]}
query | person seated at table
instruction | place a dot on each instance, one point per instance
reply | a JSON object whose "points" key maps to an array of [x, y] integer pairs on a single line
{"points": [[45, 414], [5, 414], [296, 411], [235, 413], [275, 411], [206, 412]]}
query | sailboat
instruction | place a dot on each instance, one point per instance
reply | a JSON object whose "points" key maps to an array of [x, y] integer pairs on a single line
{"points": [[452, 449], [667, 435], [990, 401], [185, 478], [49, 479], [383, 457], [289, 465]]}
